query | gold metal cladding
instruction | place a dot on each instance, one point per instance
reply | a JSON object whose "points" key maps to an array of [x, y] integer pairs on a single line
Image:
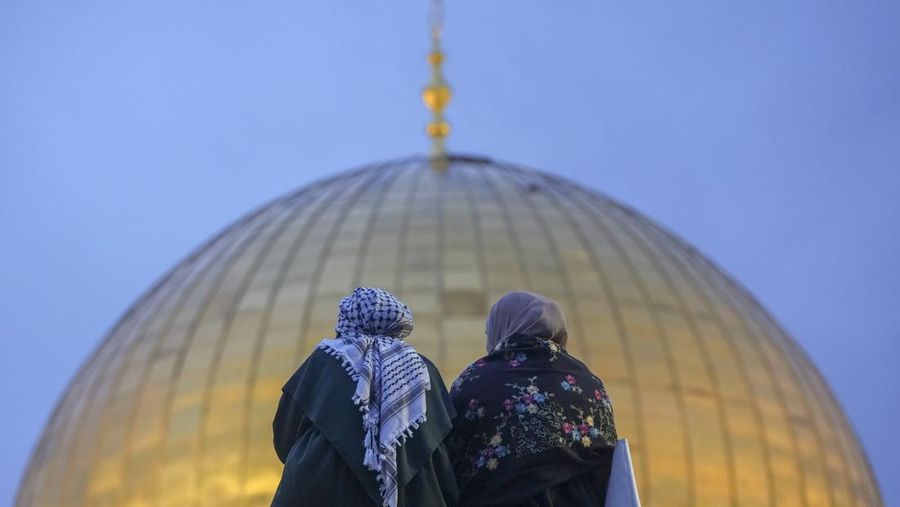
{"points": [[438, 129], [437, 94], [436, 97], [175, 407]]}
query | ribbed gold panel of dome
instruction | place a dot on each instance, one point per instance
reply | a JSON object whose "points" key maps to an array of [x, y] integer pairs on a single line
{"points": [[174, 407]]}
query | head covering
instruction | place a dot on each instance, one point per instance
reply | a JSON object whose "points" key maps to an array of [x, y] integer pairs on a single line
{"points": [[525, 313], [530, 417], [391, 378]]}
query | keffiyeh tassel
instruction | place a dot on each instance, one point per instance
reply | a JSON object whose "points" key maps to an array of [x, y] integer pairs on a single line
{"points": [[391, 379]]}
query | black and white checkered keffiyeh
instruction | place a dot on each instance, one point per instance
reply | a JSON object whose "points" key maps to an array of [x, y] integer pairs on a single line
{"points": [[391, 378]]}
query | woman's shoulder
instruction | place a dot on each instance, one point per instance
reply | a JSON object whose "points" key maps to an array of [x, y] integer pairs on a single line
{"points": [[578, 364], [434, 373], [314, 370], [427, 361]]}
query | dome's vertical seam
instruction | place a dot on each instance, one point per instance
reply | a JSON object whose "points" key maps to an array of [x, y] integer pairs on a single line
{"points": [[100, 402], [660, 330], [221, 262], [418, 171], [440, 253], [359, 186], [464, 173], [278, 226], [651, 252], [748, 322], [250, 233], [510, 230], [126, 358]]}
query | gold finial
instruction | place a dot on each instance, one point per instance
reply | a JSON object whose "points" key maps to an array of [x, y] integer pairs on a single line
{"points": [[437, 94]]}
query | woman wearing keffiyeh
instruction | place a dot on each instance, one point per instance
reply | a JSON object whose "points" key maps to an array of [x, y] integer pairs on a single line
{"points": [[362, 420], [534, 426]]}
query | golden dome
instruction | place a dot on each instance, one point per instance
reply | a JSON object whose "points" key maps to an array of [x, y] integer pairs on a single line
{"points": [[174, 408]]}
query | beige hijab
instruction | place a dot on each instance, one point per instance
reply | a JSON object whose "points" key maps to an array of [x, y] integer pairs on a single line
{"points": [[525, 313]]}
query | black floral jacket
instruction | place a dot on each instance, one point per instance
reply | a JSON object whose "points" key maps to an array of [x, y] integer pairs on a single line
{"points": [[529, 416]]}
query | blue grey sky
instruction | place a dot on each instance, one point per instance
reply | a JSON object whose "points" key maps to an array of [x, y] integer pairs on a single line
{"points": [[766, 133]]}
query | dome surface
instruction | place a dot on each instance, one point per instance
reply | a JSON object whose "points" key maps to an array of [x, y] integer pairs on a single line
{"points": [[174, 408]]}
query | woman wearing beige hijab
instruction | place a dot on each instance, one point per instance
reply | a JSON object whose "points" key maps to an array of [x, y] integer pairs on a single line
{"points": [[534, 426]]}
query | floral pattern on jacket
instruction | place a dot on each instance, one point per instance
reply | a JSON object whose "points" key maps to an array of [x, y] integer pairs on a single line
{"points": [[527, 397]]}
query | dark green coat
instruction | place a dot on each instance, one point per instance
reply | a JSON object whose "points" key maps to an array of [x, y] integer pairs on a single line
{"points": [[318, 435]]}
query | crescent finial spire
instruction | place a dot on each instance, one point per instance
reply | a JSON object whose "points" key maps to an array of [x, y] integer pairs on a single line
{"points": [[437, 93]]}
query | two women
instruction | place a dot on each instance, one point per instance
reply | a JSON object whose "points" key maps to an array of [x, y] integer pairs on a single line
{"points": [[367, 421]]}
